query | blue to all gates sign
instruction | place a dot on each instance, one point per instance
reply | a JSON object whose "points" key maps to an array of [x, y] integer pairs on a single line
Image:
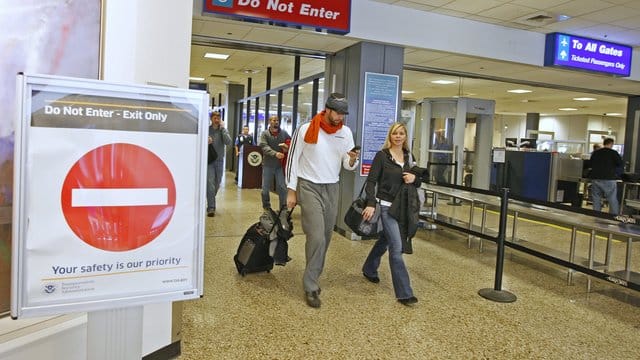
{"points": [[581, 53]]}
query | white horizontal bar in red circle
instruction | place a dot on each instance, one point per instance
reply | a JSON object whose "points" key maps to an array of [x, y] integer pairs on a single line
{"points": [[119, 197]]}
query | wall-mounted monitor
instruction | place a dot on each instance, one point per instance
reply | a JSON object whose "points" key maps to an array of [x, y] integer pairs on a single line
{"points": [[528, 143], [619, 148], [511, 142], [522, 143]]}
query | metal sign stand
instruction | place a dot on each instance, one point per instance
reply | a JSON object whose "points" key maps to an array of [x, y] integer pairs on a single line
{"points": [[115, 334]]}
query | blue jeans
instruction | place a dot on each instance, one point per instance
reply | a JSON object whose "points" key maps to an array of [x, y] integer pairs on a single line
{"points": [[608, 189], [215, 170], [268, 174], [389, 239]]}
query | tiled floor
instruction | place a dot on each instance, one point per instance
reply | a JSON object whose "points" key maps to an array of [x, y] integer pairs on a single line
{"points": [[264, 316]]}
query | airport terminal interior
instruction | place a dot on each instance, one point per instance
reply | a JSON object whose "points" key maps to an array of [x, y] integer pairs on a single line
{"points": [[264, 316], [484, 113]]}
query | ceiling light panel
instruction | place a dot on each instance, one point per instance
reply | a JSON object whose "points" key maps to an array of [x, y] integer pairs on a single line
{"points": [[216, 56], [443, 82]]}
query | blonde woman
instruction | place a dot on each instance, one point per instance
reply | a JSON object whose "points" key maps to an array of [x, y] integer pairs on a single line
{"points": [[391, 168]]}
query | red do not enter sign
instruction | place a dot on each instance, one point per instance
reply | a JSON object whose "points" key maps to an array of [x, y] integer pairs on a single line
{"points": [[118, 197]]}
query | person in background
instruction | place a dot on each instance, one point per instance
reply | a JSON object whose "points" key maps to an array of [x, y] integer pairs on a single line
{"points": [[596, 147], [219, 137], [391, 168], [241, 139], [274, 148], [440, 172], [318, 150], [605, 163]]}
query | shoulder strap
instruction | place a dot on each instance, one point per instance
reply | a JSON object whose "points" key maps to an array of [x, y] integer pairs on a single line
{"points": [[362, 188]]}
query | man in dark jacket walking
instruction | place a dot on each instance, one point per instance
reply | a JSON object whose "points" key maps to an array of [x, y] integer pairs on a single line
{"points": [[605, 163]]}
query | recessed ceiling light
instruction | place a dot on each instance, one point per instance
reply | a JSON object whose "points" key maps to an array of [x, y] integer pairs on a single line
{"points": [[584, 99], [567, 109], [195, 78], [407, 92], [519, 91], [443, 82], [216, 56], [612, 114]]}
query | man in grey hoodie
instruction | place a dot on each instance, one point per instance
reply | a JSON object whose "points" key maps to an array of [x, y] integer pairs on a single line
{"points": [[219, 138], [273, 143]]}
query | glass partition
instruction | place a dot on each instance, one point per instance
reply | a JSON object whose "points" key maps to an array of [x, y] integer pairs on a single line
{"points": [[305, 98], [321, 95], [287, 107], [441, 149], [251, 117], [262, 123]]}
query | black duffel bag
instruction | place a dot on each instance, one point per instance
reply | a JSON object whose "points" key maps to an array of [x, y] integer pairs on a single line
{"points": [[212, 155], [353, 217]]}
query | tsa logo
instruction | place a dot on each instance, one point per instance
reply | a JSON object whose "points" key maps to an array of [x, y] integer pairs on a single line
{"points": [[49, 289], [223, 3], [254, 158]]}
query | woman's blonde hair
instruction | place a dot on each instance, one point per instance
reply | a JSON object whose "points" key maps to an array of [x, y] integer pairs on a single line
{"points": [[392, 129]]}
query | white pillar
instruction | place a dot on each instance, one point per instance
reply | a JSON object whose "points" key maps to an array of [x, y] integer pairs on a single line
{"points": [[144, 42]]}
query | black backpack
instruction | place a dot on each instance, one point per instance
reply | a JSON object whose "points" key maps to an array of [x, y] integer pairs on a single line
{"points": [[212, 155]]}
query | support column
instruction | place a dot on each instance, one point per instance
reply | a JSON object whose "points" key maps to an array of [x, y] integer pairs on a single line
{"points": [[533, 123], [345, 73], [135, 36], [234, 124], [631, 149]]}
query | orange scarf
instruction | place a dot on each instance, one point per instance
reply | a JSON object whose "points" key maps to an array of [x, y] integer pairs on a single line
{"points": [[311, 137]]}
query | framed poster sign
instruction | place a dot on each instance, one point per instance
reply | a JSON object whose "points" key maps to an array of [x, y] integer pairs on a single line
{"points": [[109, 192]]}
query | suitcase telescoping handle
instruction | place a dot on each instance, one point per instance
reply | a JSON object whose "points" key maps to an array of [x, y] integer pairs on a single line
{"points": [[278, 221]]}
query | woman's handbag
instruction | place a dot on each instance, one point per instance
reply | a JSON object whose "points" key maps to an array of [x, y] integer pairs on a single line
{"points": [[353, 217]]}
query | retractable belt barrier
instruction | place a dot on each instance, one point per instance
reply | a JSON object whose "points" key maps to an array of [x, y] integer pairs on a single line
{"points": [[625, 228]]}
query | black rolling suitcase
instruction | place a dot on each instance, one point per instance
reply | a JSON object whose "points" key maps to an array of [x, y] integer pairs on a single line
{"points": [[253, 251]]}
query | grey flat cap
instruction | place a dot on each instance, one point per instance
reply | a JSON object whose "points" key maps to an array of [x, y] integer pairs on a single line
{"points": [[338, 103]]}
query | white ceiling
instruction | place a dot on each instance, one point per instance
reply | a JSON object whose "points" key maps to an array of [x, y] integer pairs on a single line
{"points": [[611, 20]]}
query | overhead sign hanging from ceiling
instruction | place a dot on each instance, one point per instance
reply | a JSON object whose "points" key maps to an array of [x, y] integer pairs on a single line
{"points": [[330, 15], [575, 52]]}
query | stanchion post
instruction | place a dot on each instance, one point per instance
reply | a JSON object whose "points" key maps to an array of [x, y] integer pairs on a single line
{"points": [[497, 294]]}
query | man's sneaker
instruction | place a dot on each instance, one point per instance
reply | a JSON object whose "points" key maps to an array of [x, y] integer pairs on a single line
{"points": [[408, 301], [211, 213], [312, 298]]}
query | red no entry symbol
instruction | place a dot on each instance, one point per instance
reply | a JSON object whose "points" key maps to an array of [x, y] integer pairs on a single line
{"points": [[118, 197]]}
